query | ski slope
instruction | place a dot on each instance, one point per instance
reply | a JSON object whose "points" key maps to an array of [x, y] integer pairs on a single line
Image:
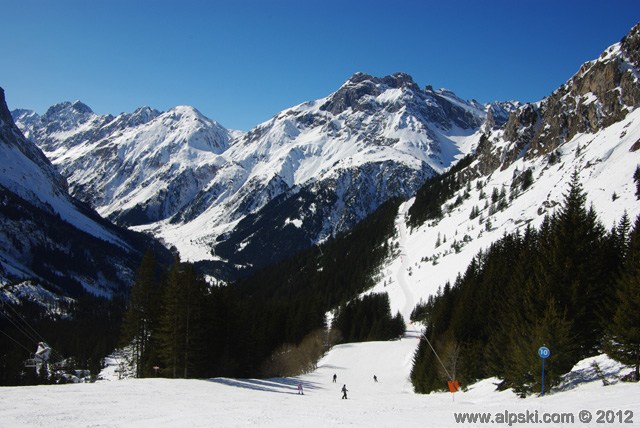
{"points": [[276, 403], [605, 162]]}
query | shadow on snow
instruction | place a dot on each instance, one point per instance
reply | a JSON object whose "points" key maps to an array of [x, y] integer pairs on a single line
{"points": [[277, 385]]}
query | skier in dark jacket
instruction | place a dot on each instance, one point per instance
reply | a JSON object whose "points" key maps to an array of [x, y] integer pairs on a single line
{"points": [[335, 376], [344, 392]]}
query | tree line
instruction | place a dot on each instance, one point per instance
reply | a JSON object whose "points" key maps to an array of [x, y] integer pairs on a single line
{"points": [[431, 197], [368, 318], [570, 284], [265, 325], [81, 332], [256, 327]]}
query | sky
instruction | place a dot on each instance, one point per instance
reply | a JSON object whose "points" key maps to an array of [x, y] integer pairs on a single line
{"points": [[240, 62]]}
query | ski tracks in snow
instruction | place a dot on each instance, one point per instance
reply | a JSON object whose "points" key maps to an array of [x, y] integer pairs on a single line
{"points": [[402, 275]]}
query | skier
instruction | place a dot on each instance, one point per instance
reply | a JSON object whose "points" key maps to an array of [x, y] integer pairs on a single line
{"points": [[335, 376], [375, 378], [300, 391], [344, 392]]}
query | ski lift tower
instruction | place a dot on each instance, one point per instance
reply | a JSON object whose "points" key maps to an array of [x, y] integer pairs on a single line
{"points": [[40, 357]]}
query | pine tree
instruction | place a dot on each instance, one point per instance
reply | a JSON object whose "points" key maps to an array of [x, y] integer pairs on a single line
{"points": [[625, 328], [636, 178], [171, 322], [182, 323], [527, 179], [575, 266], [140, 319]]}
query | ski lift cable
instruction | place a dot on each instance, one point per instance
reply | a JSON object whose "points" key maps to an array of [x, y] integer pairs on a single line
{"points": [[13, 319], [31, 338], [436, 354], [20, 328], [56, 354], [26, 323], [35, 337], [18, 343]]}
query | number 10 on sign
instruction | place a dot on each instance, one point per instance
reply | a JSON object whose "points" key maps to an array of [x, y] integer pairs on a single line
{"points": [[543, 353]]}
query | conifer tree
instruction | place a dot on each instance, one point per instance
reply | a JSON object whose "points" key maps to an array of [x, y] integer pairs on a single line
{"points": [[576, 266], [625, 328], [140, 319], [182, 322], [549, 327], [636, 178]]}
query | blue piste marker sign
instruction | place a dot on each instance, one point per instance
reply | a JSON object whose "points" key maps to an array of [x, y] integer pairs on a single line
{"points": [[543, 352]]}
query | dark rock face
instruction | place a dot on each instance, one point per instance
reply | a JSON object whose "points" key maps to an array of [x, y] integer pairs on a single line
{"points": [[630, 45], [599, 95], [488, 158], [353, 94], [5, 115]]}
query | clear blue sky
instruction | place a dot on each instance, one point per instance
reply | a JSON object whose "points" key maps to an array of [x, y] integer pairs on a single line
{"points": [[242, 61]]}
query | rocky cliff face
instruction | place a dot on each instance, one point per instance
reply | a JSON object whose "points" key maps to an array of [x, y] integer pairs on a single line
{"points": [[601, 93]]}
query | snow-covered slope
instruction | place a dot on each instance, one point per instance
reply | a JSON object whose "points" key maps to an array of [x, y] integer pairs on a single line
{"points": [[49, 237], [275, 402], [606, 167], [551, 139]]}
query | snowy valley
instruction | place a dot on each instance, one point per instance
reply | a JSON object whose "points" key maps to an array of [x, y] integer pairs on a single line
{"points": [[331, 197]]}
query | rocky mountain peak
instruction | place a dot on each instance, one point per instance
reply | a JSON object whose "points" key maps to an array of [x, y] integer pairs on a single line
{"points": [[630, 45], [357, 92], [66, 116], [395, 80], [75, 107], [141, 116], [601, 93], [5, 114]]}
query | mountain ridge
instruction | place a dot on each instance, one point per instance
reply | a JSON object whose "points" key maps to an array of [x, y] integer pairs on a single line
{"points": [[409, 133], [50, 240]]}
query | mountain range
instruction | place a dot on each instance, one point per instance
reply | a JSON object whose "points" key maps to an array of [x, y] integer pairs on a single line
{"points": [[53, 245], [236, 201], [250, 199]]}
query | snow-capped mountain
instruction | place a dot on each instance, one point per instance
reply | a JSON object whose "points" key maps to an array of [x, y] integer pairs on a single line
{"points": [[316, 168], [134, 168], [590, 125], [49, 238]]}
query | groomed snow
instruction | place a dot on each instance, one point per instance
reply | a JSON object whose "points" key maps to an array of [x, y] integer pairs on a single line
{"points": [[275, 402]]}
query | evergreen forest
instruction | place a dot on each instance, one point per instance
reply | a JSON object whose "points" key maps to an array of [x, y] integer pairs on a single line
{"points": [[559, 285], [270, 324]]}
